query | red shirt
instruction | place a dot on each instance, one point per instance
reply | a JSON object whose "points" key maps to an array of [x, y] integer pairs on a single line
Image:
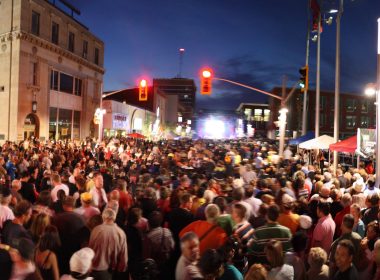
{"points": [[339, 219], [214, 238]]}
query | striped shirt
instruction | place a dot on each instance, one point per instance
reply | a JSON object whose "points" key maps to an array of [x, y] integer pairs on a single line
{"points": [[262, 235], [244, 231]]}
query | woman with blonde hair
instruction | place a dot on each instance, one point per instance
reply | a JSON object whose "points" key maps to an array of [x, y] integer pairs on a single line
{"points": [[256, 272], [275, 256], [45, 257], [37, 229]]}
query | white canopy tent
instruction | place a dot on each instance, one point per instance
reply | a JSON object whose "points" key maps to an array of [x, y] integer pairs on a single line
{"points": [[320, 143]]}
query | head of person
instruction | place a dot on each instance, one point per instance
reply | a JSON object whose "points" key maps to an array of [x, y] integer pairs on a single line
{"points": [[317, 257], [211, 264], [346, 200], [134, 215], [5, 196], [212, 213], [186, 201], [221, 202], [374, 200], [155, 219], [190, 246], [114, 195], [256, 272], [98, 180], [16, 185], [109, 216], [273, 213], [23, 211], [373, 231], [86, 199], [24, 250], [323, 209], [55, 179], [238, 193], [39, 224], [274, 254], [121, 184], [239, 213], [44, 198], [347, 223], [68, 204], [344, 254], [81, 263], [50, 239], [80, 183], [299, 242], [355, 211]]}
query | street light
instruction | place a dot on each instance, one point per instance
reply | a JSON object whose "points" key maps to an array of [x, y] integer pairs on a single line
{"points": [[282, 126]]}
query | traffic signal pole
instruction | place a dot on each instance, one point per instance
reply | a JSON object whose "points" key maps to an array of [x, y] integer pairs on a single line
{"points": [[304, 111]]}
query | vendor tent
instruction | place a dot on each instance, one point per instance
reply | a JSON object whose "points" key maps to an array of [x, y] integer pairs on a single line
{"points": [[296, 141], [346, 146], [320, 143]]}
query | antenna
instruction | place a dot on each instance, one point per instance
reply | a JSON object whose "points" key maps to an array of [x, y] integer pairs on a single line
{"points": [[181, 53]]}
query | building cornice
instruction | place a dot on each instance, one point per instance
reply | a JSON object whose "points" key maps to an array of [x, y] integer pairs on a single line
{"points": [[35, 40]]}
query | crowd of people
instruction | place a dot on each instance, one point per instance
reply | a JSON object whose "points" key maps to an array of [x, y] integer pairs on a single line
{"points": [[134, 209]]}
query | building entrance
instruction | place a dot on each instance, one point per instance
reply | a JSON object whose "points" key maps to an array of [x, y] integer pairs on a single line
{"points": [[31, 126]]}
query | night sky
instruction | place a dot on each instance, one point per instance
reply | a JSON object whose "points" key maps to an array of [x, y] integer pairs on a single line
{"points": [[255, 42]]}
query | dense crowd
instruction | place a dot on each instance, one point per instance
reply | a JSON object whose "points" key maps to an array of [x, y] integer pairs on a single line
{"points": [[134, 209]]}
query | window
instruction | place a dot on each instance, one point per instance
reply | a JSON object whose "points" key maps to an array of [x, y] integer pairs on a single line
{"points": [[364, 121], [266, 115], [35, 73], [66, 83], [350, 105], [64, 123], [52, 122], [78, 87], [76, 125], [85, 49], [258, 115], [350, 121], [322, 120], [35, 23], [54, 80], [96, 59], [248, 113], [322, 103], [71, 41], [55, 33], [364, 106]]}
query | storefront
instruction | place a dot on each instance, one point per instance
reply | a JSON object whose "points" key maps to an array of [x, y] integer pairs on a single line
{"points": [[119, 125]]}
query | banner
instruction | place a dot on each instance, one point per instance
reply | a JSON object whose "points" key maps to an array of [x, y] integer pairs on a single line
{"points": [[366, 142]]}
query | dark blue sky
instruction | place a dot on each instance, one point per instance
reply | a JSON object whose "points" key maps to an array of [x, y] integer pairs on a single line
{"points": [[251, 41]]}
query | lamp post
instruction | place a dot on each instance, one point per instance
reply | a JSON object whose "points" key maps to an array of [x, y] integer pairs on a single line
{"points": [[337, 83], [282, 126]]}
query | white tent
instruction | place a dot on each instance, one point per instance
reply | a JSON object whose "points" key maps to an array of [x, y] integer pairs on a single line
{"points": [[320, 143]]}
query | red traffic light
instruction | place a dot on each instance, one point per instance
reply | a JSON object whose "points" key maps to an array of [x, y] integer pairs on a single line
{"points": [[206, 81], [143, 90]]}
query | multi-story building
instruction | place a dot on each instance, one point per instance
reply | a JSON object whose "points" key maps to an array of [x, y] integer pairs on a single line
{"points": [[184, 89], [356, 111], [51, 72], [125, 113], [256, 115]]}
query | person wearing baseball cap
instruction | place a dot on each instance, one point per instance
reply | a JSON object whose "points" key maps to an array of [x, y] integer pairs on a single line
{"points": [[80, 265]]}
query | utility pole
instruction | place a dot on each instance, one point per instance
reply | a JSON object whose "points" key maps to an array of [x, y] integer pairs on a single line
{"points": [[304, 111], [337, 83], [318, 89], [181, 53]]}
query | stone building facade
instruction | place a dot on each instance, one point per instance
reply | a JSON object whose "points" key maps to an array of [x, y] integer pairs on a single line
{"points": [[51, 72]]}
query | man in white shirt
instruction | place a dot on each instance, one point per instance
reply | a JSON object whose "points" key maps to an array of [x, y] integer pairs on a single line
{"points": [[99, 196], [57, 185], [5, 212]]}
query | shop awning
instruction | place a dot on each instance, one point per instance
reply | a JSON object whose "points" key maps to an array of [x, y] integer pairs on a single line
{"points": [[345, 146], [296, 141]]}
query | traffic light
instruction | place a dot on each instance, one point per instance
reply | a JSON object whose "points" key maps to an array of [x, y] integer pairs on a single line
{"points": [[304, 79], [143, 90], [206, 79]]}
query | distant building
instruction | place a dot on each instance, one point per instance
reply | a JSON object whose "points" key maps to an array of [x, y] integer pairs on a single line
{"points": [[126, 114], [255, 115], [184, 89], [51, 72], [356, 111]]}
